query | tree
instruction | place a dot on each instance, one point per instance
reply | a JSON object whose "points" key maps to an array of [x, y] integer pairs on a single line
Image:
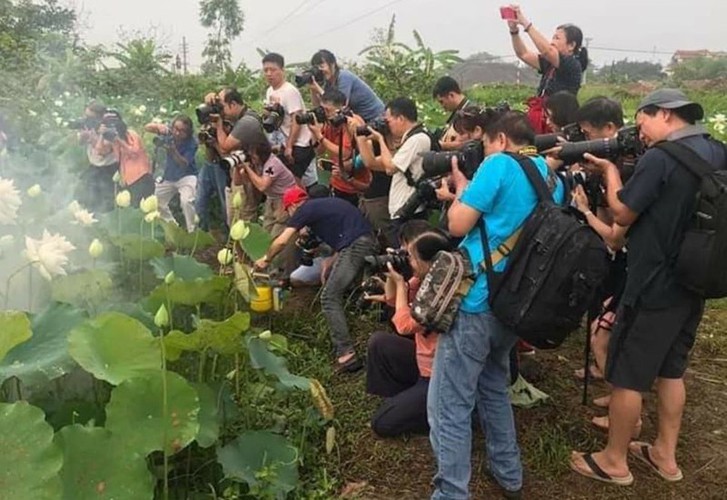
{"points": [[225, 20], [629, 71], [702, 68]]}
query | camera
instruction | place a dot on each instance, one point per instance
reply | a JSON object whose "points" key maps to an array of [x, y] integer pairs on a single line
{"points": [[371, 286], [380, 125], [571, 133], [273, 117], [399, 260], [469, 157], [307, 77], [162, 141], [626, 143], [84, 123], [208, 132], [317, 114], [234, 159], [204, 112], [341, 117], [308, 245]]}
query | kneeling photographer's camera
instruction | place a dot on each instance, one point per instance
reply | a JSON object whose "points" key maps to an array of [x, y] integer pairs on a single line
{"points": [[273, 116], [317, 114], [308, 76], [399, 260], [308, 245]]}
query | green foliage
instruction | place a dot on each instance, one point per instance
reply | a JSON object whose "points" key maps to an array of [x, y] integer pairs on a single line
{"points": [[225, 20], [629, 71], [257, 242], [262, 357], [29, 462], [82, 289], [97, 464], [702, 68], [184, 267], [15, 328], [210, 416], [222, 337]]}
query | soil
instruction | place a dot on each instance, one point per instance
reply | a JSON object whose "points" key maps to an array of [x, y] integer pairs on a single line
{"points": [[367, 467]]}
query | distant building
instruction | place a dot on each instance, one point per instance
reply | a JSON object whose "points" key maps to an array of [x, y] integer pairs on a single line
{"points": [[681, 56]]}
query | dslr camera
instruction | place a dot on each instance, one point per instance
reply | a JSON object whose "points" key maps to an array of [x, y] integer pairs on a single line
{"points": [[625, 144], [317, 114], [204, 112], [111, 121], [308, 76], [85, 123], [437, 165], [308, 245], [273, 116], [341, 117], [207, 133], [163, 140], [571, 133], [233, 159], [399, 260], [380, 125]]}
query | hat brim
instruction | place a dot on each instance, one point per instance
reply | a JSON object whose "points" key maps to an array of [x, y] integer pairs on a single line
{"points": [[697, 112]]}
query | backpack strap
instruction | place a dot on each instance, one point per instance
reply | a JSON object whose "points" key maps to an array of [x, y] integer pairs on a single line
{"points": [[531, 172], [686, 157], [418, 129]]}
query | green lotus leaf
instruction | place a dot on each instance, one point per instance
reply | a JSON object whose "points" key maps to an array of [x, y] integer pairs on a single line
{"points": [[223, 337], [133, 310], [185, 268], [15, 328], [30, 461], [114, 347], [244, 281], [210, 415], [262, 358], [267, 462], [136, 413], [82, 289], [122, 221], [180, 239], [97, 465], [188, 293], [137, 247], [45, 355], [257, 242]]}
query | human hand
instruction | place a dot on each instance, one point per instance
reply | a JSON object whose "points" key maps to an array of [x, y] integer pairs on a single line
{"points": [[457, 177], [210, 98], [262, 263], [443, 192], [580, 199], [596, 165], [289, 154], [393, 275], [521, 19]]}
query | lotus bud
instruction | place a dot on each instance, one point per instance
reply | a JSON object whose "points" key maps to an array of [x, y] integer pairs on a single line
{"points": [[34, 191], [266, 335], [224, 257], [239, 230], [161, 318], [152, 216], [95, 249], [123, 199], [117, 177], [237, 201], [170, 277], [149, 204]]}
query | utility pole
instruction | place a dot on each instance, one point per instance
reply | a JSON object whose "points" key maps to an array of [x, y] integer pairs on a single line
{"points": [[184, 54], [585, 73]]}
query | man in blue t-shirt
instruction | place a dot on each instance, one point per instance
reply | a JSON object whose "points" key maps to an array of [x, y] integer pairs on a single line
{"points": [[344, 228], [180, 169], [471, 365]]}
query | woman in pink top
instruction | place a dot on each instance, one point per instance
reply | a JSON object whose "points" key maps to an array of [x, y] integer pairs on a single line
{"points": [[399, 365], [134, 165]]}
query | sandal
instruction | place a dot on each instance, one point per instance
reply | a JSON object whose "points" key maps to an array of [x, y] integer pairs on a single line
{"points": [[603, 424], [603, 401], [595, 472], [642, 451], [351, 365], [595, 373]]}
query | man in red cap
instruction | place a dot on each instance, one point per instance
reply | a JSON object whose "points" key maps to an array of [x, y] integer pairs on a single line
{"points": [[344, 228]]}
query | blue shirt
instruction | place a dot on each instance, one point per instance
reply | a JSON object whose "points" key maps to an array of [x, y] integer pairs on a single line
{"points": [[361, 99], [173, 171], [502, 193], [335, 221]]}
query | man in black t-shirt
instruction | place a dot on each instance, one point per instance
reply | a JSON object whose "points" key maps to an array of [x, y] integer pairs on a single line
{"points": [[342, 227], [658, 318]]}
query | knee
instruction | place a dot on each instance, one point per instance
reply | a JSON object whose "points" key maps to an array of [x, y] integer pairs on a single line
{"points": [[383, 425], [377, 343]]}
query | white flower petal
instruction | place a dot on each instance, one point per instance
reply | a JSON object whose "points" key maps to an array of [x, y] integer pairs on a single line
{"points": [[9, 201]]}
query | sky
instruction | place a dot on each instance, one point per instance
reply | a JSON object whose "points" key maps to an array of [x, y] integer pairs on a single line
{"points": [[636, 29]]}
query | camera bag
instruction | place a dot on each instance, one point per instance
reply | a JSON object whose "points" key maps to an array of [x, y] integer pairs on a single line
{"points": [[700, 263], [553, 271]]}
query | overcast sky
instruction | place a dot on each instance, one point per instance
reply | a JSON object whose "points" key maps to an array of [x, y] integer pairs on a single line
{"points": [[652, 29]]}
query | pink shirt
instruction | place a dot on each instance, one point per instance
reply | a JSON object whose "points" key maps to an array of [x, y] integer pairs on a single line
{"points": [[133, 160]]}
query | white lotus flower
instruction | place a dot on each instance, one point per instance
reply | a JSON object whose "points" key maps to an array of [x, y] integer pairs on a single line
{"points": [[48, 254], [84, 217], [149, 204], [123, 199], [95, 249], [142, 108], [9, 201], [156, 119], [719, 118], [58, 103], [117, 177], [152, 216], [66, 94], [163, 110], [225, 257], [138, 112], [183, 102], [34, 190], [239, 231], [74, 207], [58, 120]]}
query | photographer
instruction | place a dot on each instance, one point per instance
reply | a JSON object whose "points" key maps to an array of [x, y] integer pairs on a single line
{"points": [[298, 152], [658, 318], [334, 140], [359, 97], [115, 137], [180, 170], [471, 365], [560, 110], [561, 62], [450, 97], [398, 367], [343, 228], [96, 190], [246, 132], [404, 166]]}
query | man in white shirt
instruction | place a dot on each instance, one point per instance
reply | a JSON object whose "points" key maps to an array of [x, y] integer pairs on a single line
{"points": [[298, 154]]}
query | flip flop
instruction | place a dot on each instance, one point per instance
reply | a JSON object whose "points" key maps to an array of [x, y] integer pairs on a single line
{"points": [[595, 373], [351, 365], [595, 472], [599, 402], [642, 451]]}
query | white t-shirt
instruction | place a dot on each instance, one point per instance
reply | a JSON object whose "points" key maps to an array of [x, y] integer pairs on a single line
{"points": [[291, 100], [408, 157]]}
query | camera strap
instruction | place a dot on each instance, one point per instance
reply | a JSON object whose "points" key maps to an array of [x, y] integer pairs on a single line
{"points": [[417, 129]]}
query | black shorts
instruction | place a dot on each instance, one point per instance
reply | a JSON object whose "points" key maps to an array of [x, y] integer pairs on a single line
{"points": [[650, 343], [302, 156]]}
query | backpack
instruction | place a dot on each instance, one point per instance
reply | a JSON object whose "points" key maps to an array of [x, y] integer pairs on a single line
{"points": [[700, 265], [553, 272], [441, 291]]}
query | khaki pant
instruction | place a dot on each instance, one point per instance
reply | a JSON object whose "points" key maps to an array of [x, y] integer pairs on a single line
{"points": [[275, 220], [376, 211], [251, 199]]}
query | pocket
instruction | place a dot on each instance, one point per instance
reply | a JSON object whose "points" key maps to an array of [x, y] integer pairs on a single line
{"points": [[469, 331]]}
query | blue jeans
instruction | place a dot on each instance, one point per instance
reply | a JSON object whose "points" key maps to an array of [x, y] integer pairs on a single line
{"points": [[471, 366], [211, 181]]}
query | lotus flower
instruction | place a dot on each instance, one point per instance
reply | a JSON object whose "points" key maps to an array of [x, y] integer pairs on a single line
{"points": [[123, 199], [224, 257], [239, 231], [9, 201], [95, 249], [48, 254], [152, 216], [34, 190], [161, 318], [149, 204], [84, 217]]}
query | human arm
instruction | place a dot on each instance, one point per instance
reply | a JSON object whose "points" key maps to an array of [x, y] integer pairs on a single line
{"points": [[622, 214], [277, 246], [226, 143], [261, 182], [521, 51], [548, 51], [462, 218], [614, 235]]}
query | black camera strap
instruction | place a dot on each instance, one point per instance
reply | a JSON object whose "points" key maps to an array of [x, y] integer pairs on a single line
{"points": [[417, 129]]}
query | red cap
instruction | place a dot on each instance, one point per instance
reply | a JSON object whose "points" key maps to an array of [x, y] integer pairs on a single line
{"points": [[294, 195]]}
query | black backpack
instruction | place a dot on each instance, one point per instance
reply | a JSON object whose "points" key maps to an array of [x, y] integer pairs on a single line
{"points": [[553, 271], [700, 265]]}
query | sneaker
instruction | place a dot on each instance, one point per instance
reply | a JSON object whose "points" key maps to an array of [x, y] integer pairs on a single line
{"points": [[525, 349]]}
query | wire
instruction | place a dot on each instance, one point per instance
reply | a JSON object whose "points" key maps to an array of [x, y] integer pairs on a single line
{"points": [[635, 51], [279, 23]]}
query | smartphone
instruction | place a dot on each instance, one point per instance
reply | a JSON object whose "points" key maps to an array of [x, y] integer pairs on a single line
{"points": [[326, 165], [508, 13]]}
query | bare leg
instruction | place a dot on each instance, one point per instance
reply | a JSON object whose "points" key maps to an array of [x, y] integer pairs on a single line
{"points": [[672, 397]]}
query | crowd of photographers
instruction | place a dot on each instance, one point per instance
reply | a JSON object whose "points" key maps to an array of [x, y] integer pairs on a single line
{"points": [[398, 196]]}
